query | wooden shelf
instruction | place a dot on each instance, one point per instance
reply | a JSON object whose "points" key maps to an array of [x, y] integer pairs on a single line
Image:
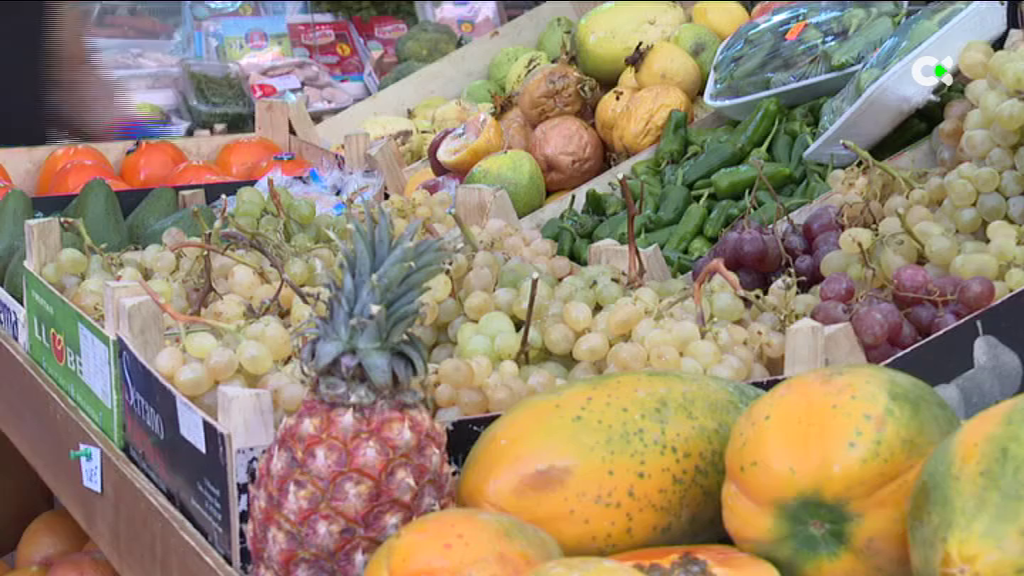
{"points": [[132, 522]]}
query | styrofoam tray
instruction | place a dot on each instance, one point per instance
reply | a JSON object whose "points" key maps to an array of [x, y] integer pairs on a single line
{"points": [[790, 95], [895, 95]]}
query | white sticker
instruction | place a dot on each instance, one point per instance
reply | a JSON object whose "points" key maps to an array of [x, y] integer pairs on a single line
{"points": [[95, 358], [12, 319], [190, 424], [92, 467]]}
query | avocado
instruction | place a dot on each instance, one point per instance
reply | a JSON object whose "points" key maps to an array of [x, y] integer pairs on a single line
{"points": [[15, 209], [71, 240], [157, 205], [100, 212], [184, 219], [14, 278]]}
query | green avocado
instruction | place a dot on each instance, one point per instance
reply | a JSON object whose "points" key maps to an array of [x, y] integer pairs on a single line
{"points": [[100, 212], [157, 205], [14, 278], [184, 219], [15, 209]]}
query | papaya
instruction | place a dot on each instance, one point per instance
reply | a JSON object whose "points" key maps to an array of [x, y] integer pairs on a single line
{"points": [[612, 463], [189, 220], [157, 205], [100, 212], [713, 559], [463, 541], [819, 471], [967, 510], [584, 566]]}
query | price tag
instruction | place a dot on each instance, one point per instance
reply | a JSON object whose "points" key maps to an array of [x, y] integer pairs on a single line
{"points": [[190, 424], [92, 467], [95, 357], [796, 30]]}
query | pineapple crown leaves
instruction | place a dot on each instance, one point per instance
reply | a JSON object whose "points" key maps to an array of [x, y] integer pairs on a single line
{"points": [[364, 350]]}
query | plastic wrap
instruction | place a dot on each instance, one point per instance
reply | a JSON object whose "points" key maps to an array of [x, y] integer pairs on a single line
{"points": [[913, 32], [801, 42], [294, 76], [332, 189]]}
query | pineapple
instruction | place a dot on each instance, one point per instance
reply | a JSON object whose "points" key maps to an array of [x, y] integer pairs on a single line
{"points": [[362, 456]]}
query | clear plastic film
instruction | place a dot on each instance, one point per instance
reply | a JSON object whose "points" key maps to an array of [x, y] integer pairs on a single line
{"points": [[801, 42], [913, 32]]}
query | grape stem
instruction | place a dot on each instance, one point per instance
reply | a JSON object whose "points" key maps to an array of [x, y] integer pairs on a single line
{"points": [[207, 279], [74, 224], [239, 238], [868, 158], [902, 215], [524, 344], [635, 269], [716, 266], [467, 234], [275, 197], [180, 318], [221, 251]]}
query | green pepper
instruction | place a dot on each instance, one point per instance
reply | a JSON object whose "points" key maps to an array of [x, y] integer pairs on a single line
{"points": [[583, 225], [672, 146], [718, 155], [703, 183], [817, 187], [613, 204], [803, 189], [793, 129], [794, 203], [594, 204], [698, 247], [669, 174], [702, 136], [796, 156], [788, 190], [551, 228], [580, 251], [659, 237], [673, 205], [679, 263], [652, 192], [609, 227], [764, 196], [687, 228], [734, 181], [718, 219], [566, 238], [649, 167], [753, 131], [767, 214], [782, 145], [758, 155]]}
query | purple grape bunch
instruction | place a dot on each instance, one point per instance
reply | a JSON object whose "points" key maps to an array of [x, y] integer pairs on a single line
{"points": [[750, 251]]}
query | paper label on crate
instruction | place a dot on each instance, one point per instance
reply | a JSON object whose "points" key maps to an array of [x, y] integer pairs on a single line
{"points": [[12, 319], [190, 424], [92, 468], [95, 356], [76, 353], [272, 86]]}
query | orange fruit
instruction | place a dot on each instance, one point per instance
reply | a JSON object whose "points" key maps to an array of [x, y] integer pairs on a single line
{"points": [[52, 534], [239, 158], [65, 155], [73, 176], [195, 172], [290, 166], [150, 162], [470, 143], [417, 179]]}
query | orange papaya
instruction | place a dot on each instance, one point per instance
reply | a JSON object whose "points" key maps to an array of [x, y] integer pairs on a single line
{"points": [[820, 469], [967, 511], [612, 463], [715, 559]]}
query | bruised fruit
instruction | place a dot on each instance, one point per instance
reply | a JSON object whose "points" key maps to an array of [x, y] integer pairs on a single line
{"points": [[462, 541], [454, 113], [611, 107], [516, 130], [584, 566], [435, 164], [666, 63], [700, 43], [502, 62], [640, 126], [608, 34], [466, 145], [522, 68], [568, 151], [556, 90], [517, 173]]}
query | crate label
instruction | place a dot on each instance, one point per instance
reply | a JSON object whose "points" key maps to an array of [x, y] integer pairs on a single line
{"points": [[95, 365], [162, 433], [92, 468], [190, 424], [12, 319], [246, 462], [76, 353]]}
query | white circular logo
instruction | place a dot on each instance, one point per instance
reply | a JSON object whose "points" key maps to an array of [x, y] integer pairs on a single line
{"points": [[928, 71]]}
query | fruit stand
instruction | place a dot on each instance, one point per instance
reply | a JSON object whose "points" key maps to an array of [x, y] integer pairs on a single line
{"points": [[651, 297]]}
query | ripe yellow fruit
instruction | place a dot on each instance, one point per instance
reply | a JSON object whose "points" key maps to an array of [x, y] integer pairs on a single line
{"points": [[723, 18], [640, 125], [666, 64], [609, 109], [628, 79]]}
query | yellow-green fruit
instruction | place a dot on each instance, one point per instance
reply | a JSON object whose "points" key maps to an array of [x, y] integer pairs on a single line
{"points": [[521, 69], [666, 64], [608, 34], [700, 43], [453, 114], [967, 510], [517, 173], [557, 37], [612, 463], [584, 566], [722, 18], [502, 62]]}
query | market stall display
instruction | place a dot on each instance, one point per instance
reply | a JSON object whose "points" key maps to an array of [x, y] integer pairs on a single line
{"points": [[301, 367]]}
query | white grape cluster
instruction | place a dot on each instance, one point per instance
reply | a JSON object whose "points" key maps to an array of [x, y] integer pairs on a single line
{"points": [[430, 209], [584, 322]]}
